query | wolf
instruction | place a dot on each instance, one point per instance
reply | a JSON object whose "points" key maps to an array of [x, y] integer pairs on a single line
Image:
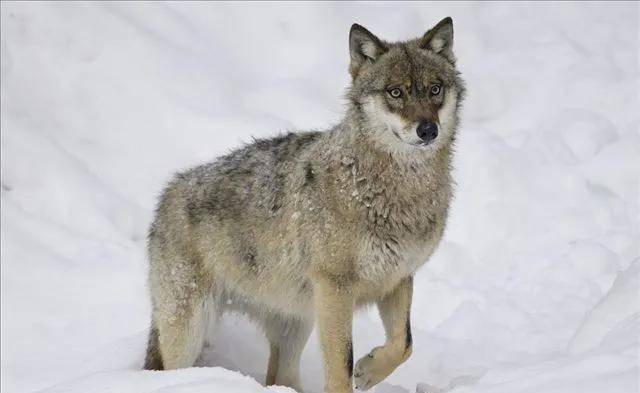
{"points": [[304, 228]]}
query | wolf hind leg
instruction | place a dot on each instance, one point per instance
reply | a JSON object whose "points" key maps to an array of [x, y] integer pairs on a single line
{"points": [[180, 345], [182, 336], [287, 337]]}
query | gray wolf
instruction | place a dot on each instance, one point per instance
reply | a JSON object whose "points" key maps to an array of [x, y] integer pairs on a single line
{"points": [[306, 227]]}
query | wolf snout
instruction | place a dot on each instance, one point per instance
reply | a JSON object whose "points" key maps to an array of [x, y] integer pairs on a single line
{"points": [[427, 131]]}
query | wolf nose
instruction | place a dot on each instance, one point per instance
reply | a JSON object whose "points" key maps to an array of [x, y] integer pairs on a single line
{"points": [[427, 131]]}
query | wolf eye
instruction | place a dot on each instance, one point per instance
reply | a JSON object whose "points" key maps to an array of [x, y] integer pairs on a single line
{"points": [[395, 93], [435, 90]]}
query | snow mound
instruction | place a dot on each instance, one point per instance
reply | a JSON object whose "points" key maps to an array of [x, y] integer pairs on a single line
{"points": [[619, 308], [192, 380]]}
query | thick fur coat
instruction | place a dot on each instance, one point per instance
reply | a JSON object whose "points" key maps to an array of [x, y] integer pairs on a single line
{"points": [[308, 226]]}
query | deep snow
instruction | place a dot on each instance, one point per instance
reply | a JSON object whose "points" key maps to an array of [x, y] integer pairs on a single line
{"points": [[534, 289]]}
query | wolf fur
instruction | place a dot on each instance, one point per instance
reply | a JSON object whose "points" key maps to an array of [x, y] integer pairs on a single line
{"points": [[309, 226]]}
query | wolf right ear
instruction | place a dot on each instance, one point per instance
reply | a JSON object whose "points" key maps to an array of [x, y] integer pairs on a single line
{"points": [[364, 47]]}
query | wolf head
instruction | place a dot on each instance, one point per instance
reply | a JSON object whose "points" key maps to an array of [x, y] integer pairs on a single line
{"points": [[406, 94]]}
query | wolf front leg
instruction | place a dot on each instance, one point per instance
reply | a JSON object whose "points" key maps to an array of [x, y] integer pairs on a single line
{"points": [[381, 361], [334, 304]]}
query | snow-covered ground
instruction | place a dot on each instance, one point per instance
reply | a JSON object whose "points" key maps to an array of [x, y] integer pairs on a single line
{"points": [[534, 289]]}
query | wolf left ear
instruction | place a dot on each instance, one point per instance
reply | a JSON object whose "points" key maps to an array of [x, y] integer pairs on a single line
{"points": [[364, 47], [440, 39]]}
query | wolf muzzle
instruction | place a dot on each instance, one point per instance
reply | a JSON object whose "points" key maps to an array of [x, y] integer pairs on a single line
{"points": [[427, 131]]}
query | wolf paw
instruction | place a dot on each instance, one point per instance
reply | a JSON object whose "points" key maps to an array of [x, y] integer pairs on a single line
{"points": [[371, 369]]}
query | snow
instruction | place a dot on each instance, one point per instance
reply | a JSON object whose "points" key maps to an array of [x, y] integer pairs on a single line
{"points": [[535, 287]]}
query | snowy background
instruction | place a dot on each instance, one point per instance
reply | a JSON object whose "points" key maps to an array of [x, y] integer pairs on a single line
{"points": [[535, 287]]}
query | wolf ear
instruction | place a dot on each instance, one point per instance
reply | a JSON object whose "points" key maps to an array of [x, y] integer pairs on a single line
{"points": [[440, 39], [364, 47]]}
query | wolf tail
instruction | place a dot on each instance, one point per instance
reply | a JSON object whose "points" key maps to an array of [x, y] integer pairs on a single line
{"points": [[153, 361]]}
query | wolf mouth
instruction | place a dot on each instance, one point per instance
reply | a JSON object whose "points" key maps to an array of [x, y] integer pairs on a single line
{"points": [[416, 144]]}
